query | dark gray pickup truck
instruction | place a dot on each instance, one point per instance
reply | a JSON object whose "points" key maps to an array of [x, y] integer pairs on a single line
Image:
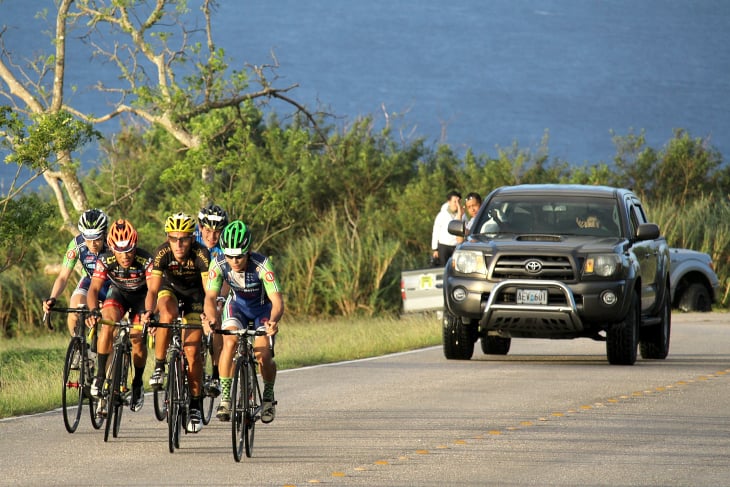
{"points": [[559, 262]]}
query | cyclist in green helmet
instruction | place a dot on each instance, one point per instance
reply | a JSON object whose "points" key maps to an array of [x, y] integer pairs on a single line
{"points": [[255, 295]]}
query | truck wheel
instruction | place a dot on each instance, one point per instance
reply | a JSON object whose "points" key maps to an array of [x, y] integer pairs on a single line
{"points": [[695, 298], [623, 338], [458, 341], [495, 345], [655, 339]]}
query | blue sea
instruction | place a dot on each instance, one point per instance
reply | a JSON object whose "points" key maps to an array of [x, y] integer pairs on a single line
{"points": [[479, 74]]}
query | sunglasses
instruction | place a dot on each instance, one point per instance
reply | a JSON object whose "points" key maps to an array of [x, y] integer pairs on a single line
{"points": [[180, 239], [235, 257]]}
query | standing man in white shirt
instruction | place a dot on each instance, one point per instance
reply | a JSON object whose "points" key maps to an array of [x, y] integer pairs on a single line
{"points": [[442, 242]]}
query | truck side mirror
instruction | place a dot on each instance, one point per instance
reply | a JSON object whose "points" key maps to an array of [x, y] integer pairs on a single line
{"points": [[647, 231], [457, 227]]}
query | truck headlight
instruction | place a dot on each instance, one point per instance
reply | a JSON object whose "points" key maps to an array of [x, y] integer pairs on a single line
{"points": [[603, 265], [468, 262]]}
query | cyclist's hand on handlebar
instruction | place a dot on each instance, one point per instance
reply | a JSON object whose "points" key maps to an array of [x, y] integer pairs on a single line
{"points": [[208, 325], [93, 318], [48, 303], [272, 327]]}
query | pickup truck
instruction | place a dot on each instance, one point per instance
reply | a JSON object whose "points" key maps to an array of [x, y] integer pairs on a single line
{"points": [[694, 284], [559, 262]]}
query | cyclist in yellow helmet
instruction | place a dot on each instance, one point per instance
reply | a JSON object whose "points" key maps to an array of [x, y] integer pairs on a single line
{"points": [[179, 269]]}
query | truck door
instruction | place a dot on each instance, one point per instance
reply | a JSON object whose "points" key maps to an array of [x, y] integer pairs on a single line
{"points": [[647, 252]]}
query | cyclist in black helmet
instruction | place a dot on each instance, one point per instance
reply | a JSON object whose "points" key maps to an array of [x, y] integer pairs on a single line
{"points": [[255, 295], [211, 221], [85, 247]]}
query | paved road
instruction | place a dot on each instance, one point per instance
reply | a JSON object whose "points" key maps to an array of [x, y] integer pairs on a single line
{"points": [[550, 413]]}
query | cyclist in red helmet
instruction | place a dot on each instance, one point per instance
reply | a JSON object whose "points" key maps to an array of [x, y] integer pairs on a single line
{"points": [[127, 268]]}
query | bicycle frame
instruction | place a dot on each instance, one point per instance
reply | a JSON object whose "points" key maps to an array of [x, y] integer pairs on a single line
{"points": [[246, 391], [116, 387], [77, 377], [178, 386]]}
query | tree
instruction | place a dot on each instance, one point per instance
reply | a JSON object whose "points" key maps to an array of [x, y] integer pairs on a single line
{"points": [[166, 79]]}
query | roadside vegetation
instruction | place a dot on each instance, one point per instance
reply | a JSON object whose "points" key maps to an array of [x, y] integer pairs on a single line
{"points": [[31, 367]]}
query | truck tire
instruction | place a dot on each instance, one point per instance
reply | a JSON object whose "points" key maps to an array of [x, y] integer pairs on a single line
{"points": [[622, 340], [655, 339], [458, 341], [695, 298], [495, 345]]}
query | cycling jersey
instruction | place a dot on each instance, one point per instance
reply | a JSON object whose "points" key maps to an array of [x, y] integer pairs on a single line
{"points": [[77, 250], [184, 280], [132, 279], [250, 288], [214, 251]]}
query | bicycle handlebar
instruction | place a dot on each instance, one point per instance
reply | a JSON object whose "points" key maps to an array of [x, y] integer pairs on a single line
{"points": [[154, 324], [132, 326], [245, 331], [47, 314]]}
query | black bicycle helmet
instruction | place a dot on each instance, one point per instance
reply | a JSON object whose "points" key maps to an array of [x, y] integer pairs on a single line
{"points": [[213, 217], [93, 223], [236, 238]]}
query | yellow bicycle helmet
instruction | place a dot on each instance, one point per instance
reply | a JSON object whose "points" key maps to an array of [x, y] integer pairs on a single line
{"points": [[179, 222]]}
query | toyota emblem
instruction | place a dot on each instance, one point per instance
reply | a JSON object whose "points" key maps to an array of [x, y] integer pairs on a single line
{"points": [[533, 266]]}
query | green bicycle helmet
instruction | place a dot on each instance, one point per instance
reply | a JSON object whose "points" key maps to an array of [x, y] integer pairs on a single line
{"points": [[236, 238], [179, 222]]}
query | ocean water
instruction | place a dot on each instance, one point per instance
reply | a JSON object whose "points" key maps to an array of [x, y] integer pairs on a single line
{"points": [[476, 74]]}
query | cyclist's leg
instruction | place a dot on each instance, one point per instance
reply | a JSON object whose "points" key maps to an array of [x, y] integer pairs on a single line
{"points": [[167, 308], [111, 310], [225, 364], [135, 306], [264, 351], [78, 298]]}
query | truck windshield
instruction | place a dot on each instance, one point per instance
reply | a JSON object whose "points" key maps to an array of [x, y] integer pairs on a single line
{"points": [[554, 216]]}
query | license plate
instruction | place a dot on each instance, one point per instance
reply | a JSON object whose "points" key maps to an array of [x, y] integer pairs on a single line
{"points": [[532, 296]]}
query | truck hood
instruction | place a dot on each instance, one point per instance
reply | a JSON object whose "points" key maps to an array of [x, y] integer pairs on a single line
{"points": [[527, 243]]}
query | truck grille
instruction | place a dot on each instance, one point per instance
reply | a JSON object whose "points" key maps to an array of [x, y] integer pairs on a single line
{"points": [[514, 267]]}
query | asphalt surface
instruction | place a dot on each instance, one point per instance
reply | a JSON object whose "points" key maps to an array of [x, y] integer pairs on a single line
{"points": [[549, 413]]}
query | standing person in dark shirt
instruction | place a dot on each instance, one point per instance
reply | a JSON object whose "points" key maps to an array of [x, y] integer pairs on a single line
{"points": [[127, 268], [179, 271]]}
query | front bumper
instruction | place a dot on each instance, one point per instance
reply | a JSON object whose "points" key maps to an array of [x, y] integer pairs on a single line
{"points": [[575, 309]]}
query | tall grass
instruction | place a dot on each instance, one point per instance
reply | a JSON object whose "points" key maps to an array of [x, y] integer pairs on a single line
{"points": [[31, 368], [703, 225]]}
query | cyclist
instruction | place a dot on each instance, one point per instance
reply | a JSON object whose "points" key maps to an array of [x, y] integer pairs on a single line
{"points": [[179, 269], [255, 295], [211, 221], [85, 247], [127, 268]]}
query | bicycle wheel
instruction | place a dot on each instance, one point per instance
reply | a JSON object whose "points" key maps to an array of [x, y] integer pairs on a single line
{"points": [[238, 409], [174, 396], [112, 394], [253, 395], [123, 393], [89, 373], [73, 380], [208, 399], [161, 401]]}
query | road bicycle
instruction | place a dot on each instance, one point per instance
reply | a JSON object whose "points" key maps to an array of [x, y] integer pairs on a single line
{"points": [[177, 389], [78, 370], [160, 394], [246, 398], [116, 391]]}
